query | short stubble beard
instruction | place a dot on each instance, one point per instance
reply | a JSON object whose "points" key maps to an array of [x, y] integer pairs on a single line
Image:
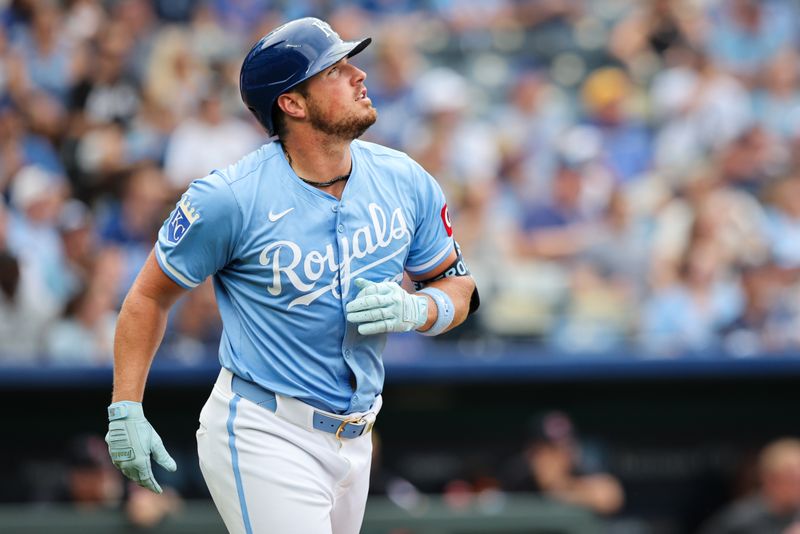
{"points": [[348, 129]]}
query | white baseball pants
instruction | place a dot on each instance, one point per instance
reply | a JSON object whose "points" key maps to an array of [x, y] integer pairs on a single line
{"points": [[269, 476]]}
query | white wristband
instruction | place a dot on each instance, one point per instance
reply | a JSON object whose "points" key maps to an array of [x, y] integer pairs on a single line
{"points": [[446, 310]]}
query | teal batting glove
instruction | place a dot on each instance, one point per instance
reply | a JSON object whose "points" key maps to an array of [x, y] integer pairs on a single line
{"points": [[386, 307], [131, 440]]}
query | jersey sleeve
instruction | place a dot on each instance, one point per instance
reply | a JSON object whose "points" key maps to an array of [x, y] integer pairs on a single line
{"points": [[199, 237], [433, 233]]}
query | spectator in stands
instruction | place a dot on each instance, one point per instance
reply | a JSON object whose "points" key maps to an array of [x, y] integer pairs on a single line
{"points": [[609, 99], [775, 507], [529, 126], [745, 35], [36, 200], [550, 464], [131, 225], [646, 34], [686, 316], [80, 244], [188, 151], [698, 108], [456, 148], [175, 78], [21, 317], [558, 226], [109, 93], [52, 62], [597, 316], [91, 480], [782, 224], [776, 101], [192, 336], [391, 87], [85, 334]]}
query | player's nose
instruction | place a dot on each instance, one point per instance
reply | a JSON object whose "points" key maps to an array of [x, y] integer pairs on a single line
{"points": [[358, 75]]}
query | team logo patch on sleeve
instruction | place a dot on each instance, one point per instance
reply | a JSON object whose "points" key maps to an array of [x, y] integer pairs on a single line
{"points": [[182, 218], [446, 220]]}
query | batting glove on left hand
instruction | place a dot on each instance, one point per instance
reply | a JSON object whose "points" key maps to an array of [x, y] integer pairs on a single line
{"points": [[386, 307], [131, 440]]}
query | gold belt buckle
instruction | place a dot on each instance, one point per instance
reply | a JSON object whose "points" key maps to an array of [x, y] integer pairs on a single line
{"points": [[344, 423]]}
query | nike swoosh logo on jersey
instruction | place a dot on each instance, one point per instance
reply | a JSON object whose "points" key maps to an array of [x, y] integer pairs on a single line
{"points": [[275, 216]]}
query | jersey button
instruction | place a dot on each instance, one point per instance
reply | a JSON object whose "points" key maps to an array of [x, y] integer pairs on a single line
{"points": [[334, 208], [347, 354], [340, 228], [355, 397]]}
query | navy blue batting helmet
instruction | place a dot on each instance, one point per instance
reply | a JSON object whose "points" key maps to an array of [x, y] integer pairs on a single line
{"points": [[287, 56]]}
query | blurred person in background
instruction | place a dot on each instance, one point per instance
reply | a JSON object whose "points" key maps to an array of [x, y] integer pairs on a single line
{"points": [[752, 160], [597, 315], [776, 99], [91, 482], [697, 108], [551, 464], [782, 220], [193, 333], [529, 127], [108, 92], [455, 147], [687, 315], [611, 108], [768, 322], [557, 226], [131, 223], [175, 77], [36, 197], [20, 147], [645, 35], [775, 507], [52, 60], [745, 35], [188, 155], [23, 315], [85, 333], [397, 66], [80, 243]]}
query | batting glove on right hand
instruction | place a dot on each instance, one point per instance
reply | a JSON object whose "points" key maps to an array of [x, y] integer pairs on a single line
{"points": [[386, 307], [131, 440]]}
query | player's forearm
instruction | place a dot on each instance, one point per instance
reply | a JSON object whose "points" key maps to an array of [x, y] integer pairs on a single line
{"points": [[140, 329], [459, 289]]}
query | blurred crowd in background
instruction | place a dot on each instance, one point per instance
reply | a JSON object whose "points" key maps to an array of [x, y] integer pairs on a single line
{"points": [[621, 175]]}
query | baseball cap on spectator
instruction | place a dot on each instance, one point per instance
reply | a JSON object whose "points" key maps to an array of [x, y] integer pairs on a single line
{"points": [[31, 183], [553, 427], [441, 90], [604, 87]]}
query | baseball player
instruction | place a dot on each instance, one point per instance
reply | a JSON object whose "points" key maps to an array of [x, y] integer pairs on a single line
{"points": [[306, 240]]}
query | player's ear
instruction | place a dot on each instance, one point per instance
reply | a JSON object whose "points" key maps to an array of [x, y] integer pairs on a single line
{"points": [[293, 104]]}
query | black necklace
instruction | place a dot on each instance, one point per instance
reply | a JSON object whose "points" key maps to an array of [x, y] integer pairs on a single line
{"points": [[326, 184], [316, 184]]}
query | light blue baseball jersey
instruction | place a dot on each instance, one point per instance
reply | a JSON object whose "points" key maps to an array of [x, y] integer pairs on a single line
{"points": [[283, 256]]}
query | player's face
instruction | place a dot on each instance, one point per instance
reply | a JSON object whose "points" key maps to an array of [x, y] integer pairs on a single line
{"points": [[337, 102]]}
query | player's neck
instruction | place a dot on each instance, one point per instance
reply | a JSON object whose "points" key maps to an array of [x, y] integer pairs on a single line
{"points": [[319, 161]]}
